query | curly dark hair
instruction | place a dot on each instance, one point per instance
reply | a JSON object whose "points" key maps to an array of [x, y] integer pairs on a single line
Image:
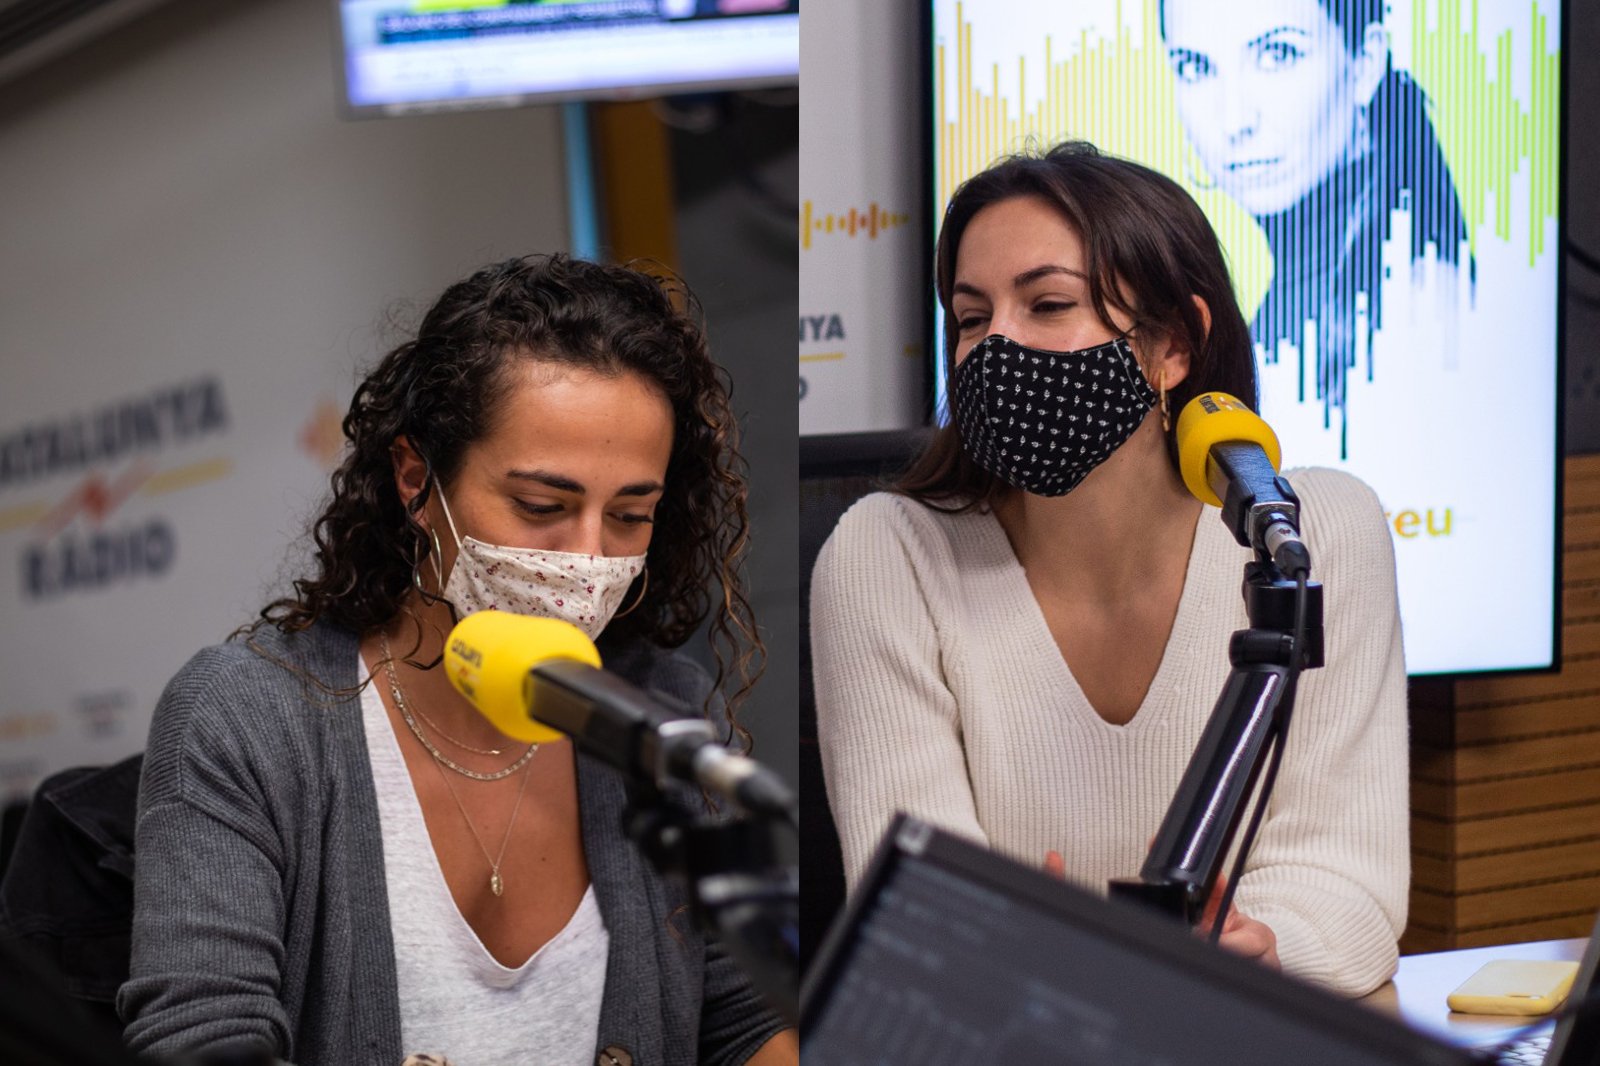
{"points": [[439, 391]]}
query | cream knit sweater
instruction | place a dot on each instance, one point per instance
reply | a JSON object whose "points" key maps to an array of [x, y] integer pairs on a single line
{"points": [[941, 692]]}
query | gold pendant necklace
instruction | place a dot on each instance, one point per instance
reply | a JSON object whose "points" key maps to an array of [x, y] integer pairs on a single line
{"points": [[496, 884]]}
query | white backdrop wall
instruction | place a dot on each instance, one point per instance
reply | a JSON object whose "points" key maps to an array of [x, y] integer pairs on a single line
{"points": [[196, 255], [862, 270]]}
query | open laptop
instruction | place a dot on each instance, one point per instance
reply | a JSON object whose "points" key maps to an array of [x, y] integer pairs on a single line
{"points": [[951, 954], [1575, 1040]]}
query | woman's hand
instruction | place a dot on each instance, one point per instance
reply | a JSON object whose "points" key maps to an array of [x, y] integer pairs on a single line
{"points": [[1240, 934], [782, 1050]]}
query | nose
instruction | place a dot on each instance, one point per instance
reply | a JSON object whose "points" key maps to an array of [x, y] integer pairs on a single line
{"points": [[1241, 114], [1007, 321], [587, 534]]}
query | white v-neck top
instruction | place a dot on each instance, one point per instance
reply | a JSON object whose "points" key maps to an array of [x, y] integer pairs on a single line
{"points": [[456, 1000], [941, 692]]}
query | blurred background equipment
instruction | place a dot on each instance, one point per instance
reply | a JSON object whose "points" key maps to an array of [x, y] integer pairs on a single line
{"points": [[435, 55]]}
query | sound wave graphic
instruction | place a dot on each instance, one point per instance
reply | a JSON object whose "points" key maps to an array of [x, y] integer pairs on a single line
{"points": [[1118, 92], [1115, 87], [1487, 133], [871, 222]]}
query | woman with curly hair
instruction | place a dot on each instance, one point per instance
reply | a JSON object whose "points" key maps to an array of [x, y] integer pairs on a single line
{"points": [[340, 860]]}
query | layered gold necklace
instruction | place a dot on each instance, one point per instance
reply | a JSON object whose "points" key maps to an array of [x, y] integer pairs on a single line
{"points": [[442, 762]]}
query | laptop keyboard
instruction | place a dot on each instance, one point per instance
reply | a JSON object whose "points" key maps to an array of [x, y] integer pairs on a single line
{"points": [[1530, 1052]]}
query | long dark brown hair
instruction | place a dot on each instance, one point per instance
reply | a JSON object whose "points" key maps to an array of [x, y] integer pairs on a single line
{"points": [[1149, 251], [440, 390]]}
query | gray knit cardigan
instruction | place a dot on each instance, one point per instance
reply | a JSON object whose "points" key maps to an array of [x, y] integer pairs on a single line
{"points": [[261, 916]]}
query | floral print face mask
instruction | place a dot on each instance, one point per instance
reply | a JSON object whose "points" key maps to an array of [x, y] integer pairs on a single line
{"points": [[585, 590]]}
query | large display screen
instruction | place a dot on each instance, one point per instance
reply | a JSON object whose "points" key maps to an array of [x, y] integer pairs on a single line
{"points": [[429, 55], [1384, 176]]}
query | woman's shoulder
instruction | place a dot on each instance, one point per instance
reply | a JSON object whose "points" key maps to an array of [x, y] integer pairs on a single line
{"points": [[1336, 497], [266, 661], [252, 691], [883, 518], [1338, 486], [1342, 513]]}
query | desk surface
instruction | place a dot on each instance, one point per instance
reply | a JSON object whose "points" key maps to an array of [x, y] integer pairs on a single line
{"points": [[1417, 993]]}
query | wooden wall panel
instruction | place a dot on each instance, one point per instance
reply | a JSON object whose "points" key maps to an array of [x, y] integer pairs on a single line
{"points": [[1437, 837], [1505, 777]]}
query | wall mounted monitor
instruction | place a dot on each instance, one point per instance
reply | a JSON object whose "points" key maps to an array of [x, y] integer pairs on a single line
{"points": [[402, 57], [1385, 179]]}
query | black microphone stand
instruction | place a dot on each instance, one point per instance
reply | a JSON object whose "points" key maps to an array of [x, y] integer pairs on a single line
{"points": [[739, 890], [1252, 712]]}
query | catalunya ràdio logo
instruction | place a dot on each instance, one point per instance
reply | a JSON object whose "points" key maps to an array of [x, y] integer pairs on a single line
{"points": [[77, 543]]}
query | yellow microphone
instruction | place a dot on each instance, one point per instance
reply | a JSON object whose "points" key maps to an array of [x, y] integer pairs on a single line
{"points": [[489, 658], [1229, 458], [539, 679]]}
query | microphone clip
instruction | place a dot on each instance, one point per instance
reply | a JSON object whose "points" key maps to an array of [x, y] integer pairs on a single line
{"points": [[1259, 508]]}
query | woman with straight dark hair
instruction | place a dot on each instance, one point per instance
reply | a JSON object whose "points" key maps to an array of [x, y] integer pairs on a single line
{"points": [[1023, 642], [339, 861], [1296, 111]]}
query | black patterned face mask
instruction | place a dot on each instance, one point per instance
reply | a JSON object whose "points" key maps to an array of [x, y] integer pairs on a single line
{"points": [[1041, 421]]}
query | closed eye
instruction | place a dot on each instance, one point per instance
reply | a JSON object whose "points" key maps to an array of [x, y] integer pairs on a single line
{"points": [[539, 509], [635, 519]]}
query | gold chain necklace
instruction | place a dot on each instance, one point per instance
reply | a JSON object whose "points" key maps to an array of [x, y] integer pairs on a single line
{"points": [[496, 885], [389, 659], [431, 722], [438, 756]]}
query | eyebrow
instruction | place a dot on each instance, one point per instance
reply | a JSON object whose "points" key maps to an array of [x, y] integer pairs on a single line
{"points": [[1027, 277], [1262, 38], [566, 484]]}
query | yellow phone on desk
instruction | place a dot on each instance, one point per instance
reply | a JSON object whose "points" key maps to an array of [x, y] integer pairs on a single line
{"points": [[1509, 987]]}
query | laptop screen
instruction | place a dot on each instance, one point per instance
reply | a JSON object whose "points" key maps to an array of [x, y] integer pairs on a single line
{"points": [[1576, 1041], [951, 954]]}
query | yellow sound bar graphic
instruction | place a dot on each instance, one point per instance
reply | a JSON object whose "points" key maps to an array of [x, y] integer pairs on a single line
{"points": [[429, 7], [850, 223], [1115, 88]]}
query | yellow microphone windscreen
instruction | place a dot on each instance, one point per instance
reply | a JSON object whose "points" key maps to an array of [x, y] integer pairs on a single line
{"points": [[487, 658], [1213, 418]]}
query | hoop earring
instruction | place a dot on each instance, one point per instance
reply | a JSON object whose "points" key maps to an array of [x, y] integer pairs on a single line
{"points": [[1166, 412], [438, 570], [644, 583]]}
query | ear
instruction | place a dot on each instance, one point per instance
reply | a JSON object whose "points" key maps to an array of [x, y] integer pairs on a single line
{"points": [[1371, 63], [1171, 364], [410, 473]]}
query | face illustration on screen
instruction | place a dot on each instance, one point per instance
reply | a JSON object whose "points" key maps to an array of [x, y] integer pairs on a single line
{"points": [[1386, 181], [1270, 94]]}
